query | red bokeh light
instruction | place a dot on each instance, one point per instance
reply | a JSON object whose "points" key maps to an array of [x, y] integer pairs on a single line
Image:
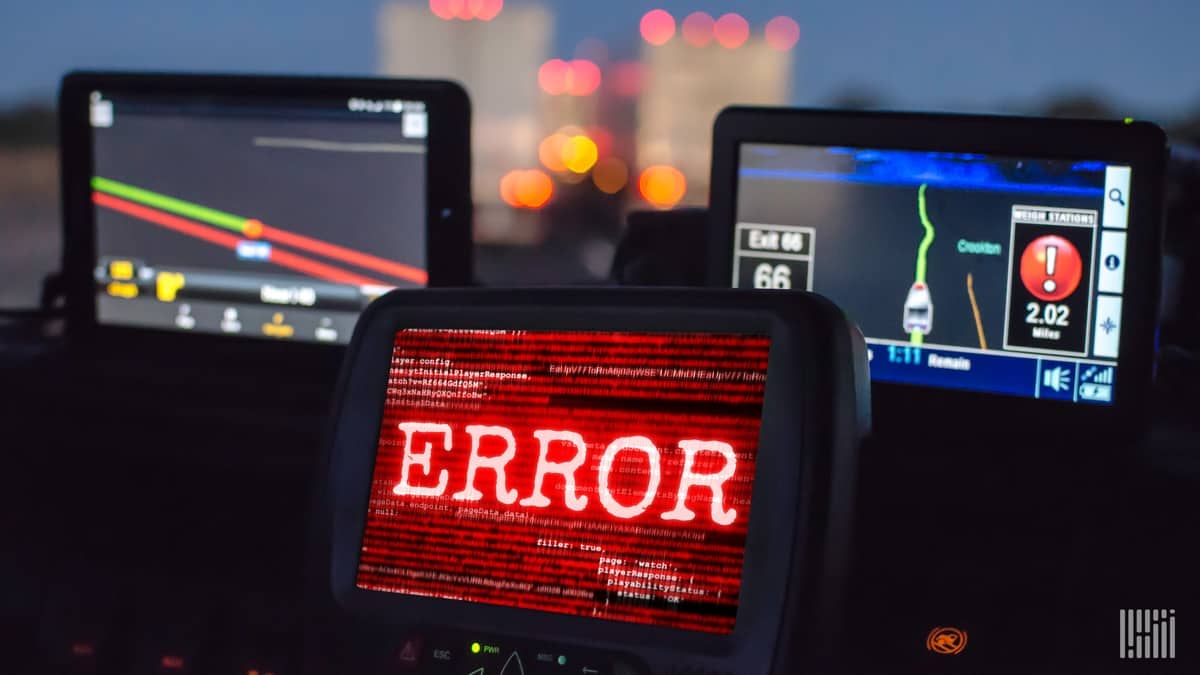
{"points": [[445, 9], [553, 75], [782, 33], [731, 31], [486, 10], [583, 77], [698, 29], [658, 27], [626, 78], [603, 139]]}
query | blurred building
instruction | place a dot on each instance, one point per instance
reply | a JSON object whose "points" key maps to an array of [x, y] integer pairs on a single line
{"points": [[683, 89], [497, 60]]}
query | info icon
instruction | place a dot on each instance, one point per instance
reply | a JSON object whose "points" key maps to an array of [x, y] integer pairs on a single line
{"points": [[1051, 268]]}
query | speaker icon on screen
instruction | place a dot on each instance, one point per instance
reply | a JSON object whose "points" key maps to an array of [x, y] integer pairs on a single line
{"points": [[1057, 379]]}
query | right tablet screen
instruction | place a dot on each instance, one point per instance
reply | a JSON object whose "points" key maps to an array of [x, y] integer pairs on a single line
{"points": [[970, 272]]}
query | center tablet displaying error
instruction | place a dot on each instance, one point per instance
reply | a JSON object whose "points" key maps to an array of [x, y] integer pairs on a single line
{"points": [[596, 474]]}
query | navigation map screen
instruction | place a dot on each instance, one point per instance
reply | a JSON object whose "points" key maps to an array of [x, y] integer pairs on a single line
{"points": [[594, 474], [251, 217], [969, 272]]}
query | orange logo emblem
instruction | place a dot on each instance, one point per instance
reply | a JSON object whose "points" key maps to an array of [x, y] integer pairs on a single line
{"points": [[946, 640]]}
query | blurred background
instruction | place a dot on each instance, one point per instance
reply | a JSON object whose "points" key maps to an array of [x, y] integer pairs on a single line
{"points": [[586, 110]]}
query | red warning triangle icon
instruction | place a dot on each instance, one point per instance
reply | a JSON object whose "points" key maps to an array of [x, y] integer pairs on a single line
{"points": [[408, 654]]}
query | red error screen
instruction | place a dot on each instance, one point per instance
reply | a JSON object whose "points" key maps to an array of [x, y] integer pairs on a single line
{"points": [[595, 474]]}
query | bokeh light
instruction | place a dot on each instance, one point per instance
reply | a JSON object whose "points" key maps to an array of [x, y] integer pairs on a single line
{"points": [[663, 186], [698, 29], [610, 175], [583, 77], [603, 139], [731, 31], [626, 78], [658, 27], [550, 152], [466, 10], [782, 33], [534, 188], [486, 10], [552, 76], [508, 188], [529, 189], [579, 154], [445, 9]]}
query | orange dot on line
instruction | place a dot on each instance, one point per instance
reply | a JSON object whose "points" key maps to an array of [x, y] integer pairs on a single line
{"points": [[252, 228]]}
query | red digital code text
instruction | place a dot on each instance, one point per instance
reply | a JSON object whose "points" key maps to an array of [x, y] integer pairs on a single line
{"points": [[596, 474]]}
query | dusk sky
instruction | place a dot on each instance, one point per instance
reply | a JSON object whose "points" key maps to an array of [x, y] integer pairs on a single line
{"points": [[917, 54]]}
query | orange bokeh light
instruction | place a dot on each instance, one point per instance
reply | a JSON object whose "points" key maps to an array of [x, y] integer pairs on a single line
{"points": [[445, 9], [529, 189], [782, 33], [508, 188], [658, 27], [731, 31], [663, 186], [534, 188], [610, 175], [550, 152], [698, 29]]}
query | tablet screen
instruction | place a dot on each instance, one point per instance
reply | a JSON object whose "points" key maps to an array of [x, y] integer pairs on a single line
{"points": [[255, 217], [981, 273], [595, 474]]}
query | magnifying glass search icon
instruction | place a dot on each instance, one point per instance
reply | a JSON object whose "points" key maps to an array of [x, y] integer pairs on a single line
{"points": [[1115, 195]]}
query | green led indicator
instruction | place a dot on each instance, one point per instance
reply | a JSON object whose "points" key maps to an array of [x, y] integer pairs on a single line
{"points": [[1128, 120], [475, 647], [562, 660]]}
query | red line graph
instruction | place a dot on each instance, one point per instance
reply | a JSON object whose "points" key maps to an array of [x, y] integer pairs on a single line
{"points": [[193, 229], [399, 270]]}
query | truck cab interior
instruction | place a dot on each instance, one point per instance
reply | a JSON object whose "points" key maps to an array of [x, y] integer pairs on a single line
{"points": [[487, 338]]}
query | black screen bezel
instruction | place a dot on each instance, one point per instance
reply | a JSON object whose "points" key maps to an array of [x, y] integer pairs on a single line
{"points": [[1137, 144], [789, 477], [448, 201]]}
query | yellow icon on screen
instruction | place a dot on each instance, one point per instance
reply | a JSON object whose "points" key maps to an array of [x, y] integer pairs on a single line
{"points": [[277, 328], [120, 289], [122, 270], [168, 285]]}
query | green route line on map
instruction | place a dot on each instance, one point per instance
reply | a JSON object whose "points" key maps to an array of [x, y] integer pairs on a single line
{"points": [[917, 337], [179, 206]]}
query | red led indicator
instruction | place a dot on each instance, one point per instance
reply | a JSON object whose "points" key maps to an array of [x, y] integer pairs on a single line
{"points": [[596, 474]]}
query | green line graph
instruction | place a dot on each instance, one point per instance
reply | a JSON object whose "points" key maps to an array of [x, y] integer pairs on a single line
{"points": [[927, 240], [917, 337], [177, 206]]}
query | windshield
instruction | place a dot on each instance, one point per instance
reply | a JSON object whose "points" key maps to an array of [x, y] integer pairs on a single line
{"points": [[585, 111]]}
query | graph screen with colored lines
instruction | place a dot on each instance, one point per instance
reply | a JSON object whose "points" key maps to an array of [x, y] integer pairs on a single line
{"points": [[255, 218], [597, 474]]}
